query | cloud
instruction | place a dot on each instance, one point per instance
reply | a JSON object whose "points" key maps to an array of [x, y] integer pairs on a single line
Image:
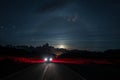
{"points": [[52, 5]]}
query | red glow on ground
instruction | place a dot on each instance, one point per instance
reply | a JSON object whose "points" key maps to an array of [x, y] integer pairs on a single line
{"points": [[82, 61], [22, 59], [62, 60]]}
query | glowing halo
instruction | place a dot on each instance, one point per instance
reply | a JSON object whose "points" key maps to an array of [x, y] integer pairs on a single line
{"points": [[62, 46]]}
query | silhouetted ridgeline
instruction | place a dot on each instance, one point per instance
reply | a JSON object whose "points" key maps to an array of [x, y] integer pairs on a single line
{"points": [[40, 51], [109, 54], [30, 51]]}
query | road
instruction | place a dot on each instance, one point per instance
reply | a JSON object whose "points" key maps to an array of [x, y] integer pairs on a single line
{"points": [[45, 71]]}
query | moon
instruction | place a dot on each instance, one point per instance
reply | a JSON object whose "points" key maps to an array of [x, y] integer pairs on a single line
{"points": [[61, 46]]}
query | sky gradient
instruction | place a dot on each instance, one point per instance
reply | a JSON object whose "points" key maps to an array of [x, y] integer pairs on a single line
{"points": [[76, 24]]}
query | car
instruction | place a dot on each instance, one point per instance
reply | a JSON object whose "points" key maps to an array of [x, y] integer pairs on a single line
{"points": [[48, 59]]}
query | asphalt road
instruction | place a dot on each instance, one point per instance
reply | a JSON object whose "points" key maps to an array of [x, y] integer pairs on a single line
{"points": [[45, 71]]}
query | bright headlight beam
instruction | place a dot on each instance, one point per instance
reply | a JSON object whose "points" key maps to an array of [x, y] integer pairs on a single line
{"points": [[50, 59], [45, 59]]}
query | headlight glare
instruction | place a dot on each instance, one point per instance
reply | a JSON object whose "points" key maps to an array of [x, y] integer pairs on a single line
{"points": [[50, 59], [45, 59]]}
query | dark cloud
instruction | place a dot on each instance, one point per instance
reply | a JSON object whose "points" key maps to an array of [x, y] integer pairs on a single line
{"points": [[52, 5], [96, 23]]}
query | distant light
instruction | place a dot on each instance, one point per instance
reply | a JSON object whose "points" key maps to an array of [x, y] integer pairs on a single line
{"points": [[45, 59], [61, 46], [50, 59]]}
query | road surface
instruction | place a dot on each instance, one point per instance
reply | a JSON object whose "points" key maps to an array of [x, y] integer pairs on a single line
{"points": [[45, 71]]}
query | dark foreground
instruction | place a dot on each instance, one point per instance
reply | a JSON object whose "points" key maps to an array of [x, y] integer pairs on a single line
{"points": [[98, 72], [55, 71]]}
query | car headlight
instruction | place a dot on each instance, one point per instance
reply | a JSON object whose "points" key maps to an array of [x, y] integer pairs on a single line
{"points": [[50, 59], [45, 59]]}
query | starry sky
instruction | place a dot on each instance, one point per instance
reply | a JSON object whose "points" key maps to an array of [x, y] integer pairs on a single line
{"points": [[76, 24]]}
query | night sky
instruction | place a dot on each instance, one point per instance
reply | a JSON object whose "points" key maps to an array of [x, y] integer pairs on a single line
{"points": [[74, 24]]}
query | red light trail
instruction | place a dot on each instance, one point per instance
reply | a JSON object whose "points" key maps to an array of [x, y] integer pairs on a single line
{"points": [[62, 60]]}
